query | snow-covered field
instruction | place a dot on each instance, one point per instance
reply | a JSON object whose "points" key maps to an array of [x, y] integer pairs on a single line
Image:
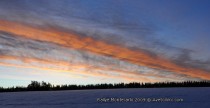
{"points": [[110, 98]]}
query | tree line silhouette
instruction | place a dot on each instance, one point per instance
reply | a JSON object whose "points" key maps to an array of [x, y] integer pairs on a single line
{"points": [[43, 86]]}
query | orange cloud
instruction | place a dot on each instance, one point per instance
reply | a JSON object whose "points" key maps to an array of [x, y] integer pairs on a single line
{"points": [[62, 66], [71, 40]]}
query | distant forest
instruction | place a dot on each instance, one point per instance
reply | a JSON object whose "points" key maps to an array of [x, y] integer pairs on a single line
{"points": [[43, 86]]}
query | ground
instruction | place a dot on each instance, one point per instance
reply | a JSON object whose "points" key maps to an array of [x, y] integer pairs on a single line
{"points": [[110, 98]]}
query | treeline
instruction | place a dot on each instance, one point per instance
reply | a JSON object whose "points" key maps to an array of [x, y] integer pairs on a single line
{"points": [[43, 86]]}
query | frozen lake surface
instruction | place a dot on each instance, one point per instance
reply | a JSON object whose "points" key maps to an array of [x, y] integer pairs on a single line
{"points": [[110, 98]]}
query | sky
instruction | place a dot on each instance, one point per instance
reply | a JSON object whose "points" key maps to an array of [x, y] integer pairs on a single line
{"points": [[103, 41]]}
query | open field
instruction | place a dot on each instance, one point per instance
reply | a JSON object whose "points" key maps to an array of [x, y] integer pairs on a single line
{"points": [[110, 98]]}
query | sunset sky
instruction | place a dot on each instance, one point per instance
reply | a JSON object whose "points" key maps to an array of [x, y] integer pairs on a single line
{"points": [[103, 41]]}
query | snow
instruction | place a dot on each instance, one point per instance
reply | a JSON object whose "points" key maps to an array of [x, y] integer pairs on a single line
{"points": [[191, 98]]}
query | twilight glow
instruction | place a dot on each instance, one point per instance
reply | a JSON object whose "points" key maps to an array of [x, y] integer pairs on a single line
{"points": [[87, 41]]}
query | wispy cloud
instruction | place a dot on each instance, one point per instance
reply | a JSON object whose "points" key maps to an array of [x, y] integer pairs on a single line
{"points": [[74, 41]]}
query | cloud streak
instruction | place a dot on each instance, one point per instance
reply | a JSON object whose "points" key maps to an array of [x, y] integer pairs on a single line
{"points": [[79, 69], [71, 40]]}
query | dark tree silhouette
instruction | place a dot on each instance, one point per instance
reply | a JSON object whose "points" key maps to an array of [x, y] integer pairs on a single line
{"points": [[36, 86], [43, 86]]}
